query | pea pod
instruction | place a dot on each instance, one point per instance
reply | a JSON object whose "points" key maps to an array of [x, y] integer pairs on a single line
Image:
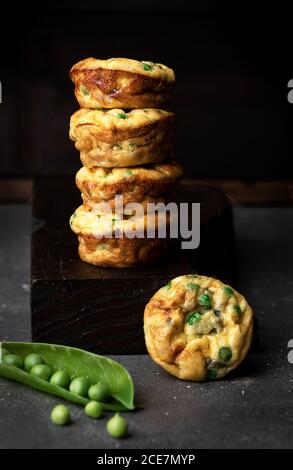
{"points": [[77, 363]]}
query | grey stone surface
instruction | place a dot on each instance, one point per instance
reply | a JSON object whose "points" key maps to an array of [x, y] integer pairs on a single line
{"points": [[14, 272], [250, 408]]}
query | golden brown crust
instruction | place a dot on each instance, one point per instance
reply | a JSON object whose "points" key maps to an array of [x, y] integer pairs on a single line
{"points": [[121, 83], [135, 138], [135, 185], [119, 252], [193, 342]]}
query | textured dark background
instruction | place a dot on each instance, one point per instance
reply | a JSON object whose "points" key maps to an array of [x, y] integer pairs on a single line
{"points": [[232, 64]]}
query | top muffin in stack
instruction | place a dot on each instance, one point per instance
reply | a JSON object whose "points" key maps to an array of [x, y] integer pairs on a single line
{"points": [[122, 83], [117, 130]]}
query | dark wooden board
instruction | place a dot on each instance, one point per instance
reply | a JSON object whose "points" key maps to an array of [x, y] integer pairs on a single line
{"points": [[101, 309]]}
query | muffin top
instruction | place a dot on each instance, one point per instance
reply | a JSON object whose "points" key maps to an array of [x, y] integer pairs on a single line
{"points": [[197, 327], [145, 67]]}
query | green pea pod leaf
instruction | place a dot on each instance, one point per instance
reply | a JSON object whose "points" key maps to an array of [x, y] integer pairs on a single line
{"points": [[77, 363]]}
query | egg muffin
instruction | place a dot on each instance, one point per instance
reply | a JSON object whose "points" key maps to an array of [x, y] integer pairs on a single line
{"points": [[115, 138], [104, 239], [121, 83], [138, 184], [198, 328]]}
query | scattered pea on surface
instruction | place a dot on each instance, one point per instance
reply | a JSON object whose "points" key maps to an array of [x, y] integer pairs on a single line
{"points": [[42, 371], [168, 285], [32, 360], [205, 301], [128, 173], [93, 409], [117, 426], [80, 386], [60, 415], [99, 392], [225, 354], [13, 360], [61, 379], [193, 318]]}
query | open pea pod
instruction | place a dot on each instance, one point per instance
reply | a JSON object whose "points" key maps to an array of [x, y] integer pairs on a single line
{"points": [[77, 363]]}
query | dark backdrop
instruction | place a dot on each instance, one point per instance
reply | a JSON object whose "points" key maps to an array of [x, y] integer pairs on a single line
{"points": [[232, 65]]}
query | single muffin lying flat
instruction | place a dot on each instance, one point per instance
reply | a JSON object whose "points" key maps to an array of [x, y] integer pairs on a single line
{"points": [[137, 184], [115, 138], [198, 328], [104, 240], [121, 83]]}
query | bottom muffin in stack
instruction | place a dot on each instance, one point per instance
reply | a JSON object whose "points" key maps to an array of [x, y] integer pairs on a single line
{"points": [[105, 240]]}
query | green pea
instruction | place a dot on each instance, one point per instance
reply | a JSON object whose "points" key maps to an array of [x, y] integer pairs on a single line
{"points": [[122, 116], [237, 309], [99, 392], [193, 286], [228, 291], [3, 353], [61, 379], [80, 386], [128, 173], [225, 354], [60, 415], [13, 360], [42, 371], [32, 360], [117, 426], [84, 90], [205, 301], [168, 285], [147, 67], [193, 318], [212, 374], [93, 409]]}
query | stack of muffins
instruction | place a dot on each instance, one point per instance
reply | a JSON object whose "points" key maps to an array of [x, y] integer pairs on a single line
{"points": [[124, 138]]}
